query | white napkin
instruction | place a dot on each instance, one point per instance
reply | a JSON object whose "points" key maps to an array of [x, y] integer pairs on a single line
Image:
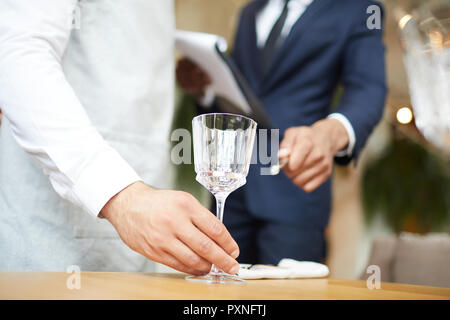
{"points": [[286, 269]]}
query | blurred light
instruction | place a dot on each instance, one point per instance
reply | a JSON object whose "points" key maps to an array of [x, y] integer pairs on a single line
{"points": [[436, 39], [404, 115], [404, 21]]}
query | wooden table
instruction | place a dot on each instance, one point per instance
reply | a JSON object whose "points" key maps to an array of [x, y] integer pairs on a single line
{"points": [[52, 285]]}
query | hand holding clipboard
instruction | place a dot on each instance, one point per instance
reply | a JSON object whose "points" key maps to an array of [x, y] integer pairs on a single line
{"points": [[229, 86]]}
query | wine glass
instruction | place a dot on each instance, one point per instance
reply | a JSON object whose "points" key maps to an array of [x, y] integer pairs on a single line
{"points": [[425, 36], [223, 145]]}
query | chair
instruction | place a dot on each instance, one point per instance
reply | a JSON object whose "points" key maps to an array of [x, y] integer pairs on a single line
{"points": [[413, 259]]}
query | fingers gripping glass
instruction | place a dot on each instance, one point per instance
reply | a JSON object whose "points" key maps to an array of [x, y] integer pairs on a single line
{"points": [[223, 145]]}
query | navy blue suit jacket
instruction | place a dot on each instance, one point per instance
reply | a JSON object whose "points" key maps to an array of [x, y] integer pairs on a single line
{"points": [[329, 45]]}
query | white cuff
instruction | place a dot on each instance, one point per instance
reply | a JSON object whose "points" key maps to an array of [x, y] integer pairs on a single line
{"points": [[106, 175], [347, 152], [208, 98]]}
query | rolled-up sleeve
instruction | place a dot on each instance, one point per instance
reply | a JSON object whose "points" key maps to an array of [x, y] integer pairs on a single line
{"points": [[47, 119]]}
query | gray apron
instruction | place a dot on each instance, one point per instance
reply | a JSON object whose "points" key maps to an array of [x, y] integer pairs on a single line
{"points": [[120, 64]]}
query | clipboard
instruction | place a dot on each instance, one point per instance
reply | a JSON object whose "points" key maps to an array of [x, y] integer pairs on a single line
{"points": [[232, 91]]}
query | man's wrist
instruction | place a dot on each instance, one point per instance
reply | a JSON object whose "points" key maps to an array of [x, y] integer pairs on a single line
{"points": [[336, 132], [119, 202], [348, 151]]}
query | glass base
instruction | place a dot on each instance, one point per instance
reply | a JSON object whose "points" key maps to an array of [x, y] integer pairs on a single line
{"points": [[217, 278]]}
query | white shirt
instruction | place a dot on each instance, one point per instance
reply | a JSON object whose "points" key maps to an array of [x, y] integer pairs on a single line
{"points": [[60, 87], [269, 15]]}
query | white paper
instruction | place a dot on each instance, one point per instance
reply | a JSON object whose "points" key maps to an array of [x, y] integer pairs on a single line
{"points": [[201, 49], [286, 269]]}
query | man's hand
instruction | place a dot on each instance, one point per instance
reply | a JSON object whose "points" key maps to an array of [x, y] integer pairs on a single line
{"points": [[191, 78], [311, 152], [173, 228]]}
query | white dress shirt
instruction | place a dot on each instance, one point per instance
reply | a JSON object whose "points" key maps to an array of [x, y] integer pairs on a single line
{"points": [[269, 15]]}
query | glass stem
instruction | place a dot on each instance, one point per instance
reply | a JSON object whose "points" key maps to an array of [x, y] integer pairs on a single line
{"points": [[220, 205]]}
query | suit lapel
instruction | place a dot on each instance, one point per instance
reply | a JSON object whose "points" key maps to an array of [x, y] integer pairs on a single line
{"points": [[298, 29]]}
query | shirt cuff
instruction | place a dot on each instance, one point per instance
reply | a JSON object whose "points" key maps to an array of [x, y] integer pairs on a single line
{"points": [[348, 151], [106, 175], [208, 98]]}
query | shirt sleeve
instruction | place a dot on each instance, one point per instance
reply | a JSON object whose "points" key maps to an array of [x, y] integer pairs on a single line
{"points": [[348, 151], [47, 119]]}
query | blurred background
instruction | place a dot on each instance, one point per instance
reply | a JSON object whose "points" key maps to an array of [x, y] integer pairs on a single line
{"points": [[400, 185], [393, 208]]}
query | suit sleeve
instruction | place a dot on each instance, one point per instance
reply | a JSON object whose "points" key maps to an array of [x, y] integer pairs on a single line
{"points": [[364, 81], [47, 119]]}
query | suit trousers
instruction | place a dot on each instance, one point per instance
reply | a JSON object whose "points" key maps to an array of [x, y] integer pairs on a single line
{"points": [[267, 242]]}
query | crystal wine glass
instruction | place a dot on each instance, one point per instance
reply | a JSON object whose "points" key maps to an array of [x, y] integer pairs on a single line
{"points": [[223, 145], [425, 33]]}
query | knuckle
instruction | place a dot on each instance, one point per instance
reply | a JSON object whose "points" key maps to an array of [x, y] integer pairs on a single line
{"points": [[229, 263], [292, 169], [320, 155], [307, 144], [148, 252], [157, 239], [194, 261], [175, 265], [289, 131], [299, 182], [204, 246], [289, 173], [184, 199], [164, 220], [326, 167], [216, 228], [202, 266], [304, 131]]}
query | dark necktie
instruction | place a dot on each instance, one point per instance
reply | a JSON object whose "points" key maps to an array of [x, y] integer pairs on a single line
{"points": [[274, 40]]}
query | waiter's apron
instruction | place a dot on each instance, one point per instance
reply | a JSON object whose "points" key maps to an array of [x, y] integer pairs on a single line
{"points": [[120, 64]]}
